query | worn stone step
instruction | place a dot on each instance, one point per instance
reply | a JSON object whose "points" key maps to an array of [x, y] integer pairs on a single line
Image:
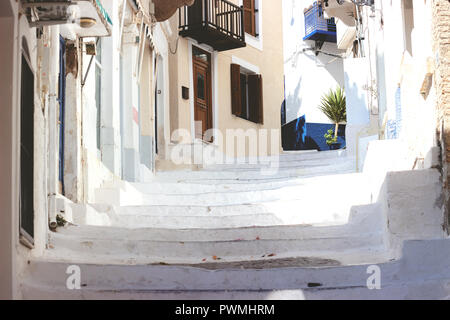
{"points": [[399, 278], [434, 289], [174, 222], [362, 220], [230, 244], [314, 191], [171, 187], [276, 162], [314, 252], [258, 174], [231, 216]]}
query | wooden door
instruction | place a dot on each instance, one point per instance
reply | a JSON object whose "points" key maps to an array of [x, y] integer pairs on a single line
{"points": [[202, 91]]}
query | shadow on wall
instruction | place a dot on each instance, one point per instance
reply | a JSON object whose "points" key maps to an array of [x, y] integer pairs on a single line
{"points": [[293, 102], [300, 135], [283, 113], [334, 66]]}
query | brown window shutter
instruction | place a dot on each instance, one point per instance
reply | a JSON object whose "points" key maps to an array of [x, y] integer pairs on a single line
{"points": [[250, 17], [244, 96], [255, 98], [261, 100], [236, 107]]}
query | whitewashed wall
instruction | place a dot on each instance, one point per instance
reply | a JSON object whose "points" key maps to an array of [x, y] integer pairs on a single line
{"points": [[307, 76], [408, 70], [393, 64]]}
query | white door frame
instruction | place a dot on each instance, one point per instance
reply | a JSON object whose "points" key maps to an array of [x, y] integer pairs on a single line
{"points": [[214, 86]]}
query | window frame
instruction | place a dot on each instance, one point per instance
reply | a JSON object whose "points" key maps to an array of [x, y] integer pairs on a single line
{"points": [[255, 114]]}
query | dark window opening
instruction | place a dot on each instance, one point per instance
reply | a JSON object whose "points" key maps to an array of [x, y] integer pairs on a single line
{"points": [[246, 95], [27, 151], [62, 111]]}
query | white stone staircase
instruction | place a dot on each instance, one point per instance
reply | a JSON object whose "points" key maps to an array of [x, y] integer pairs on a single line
{"points": [[421, 273], [231, 232]]}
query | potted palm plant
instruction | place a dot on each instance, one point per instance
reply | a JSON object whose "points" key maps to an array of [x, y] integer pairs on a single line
{"points": [[333, 105]]}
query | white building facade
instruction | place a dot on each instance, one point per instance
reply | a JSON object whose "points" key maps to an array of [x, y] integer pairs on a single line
{"points": [[313, 66], [310, 71], [389, 64], [85, 108], [78, 111]]}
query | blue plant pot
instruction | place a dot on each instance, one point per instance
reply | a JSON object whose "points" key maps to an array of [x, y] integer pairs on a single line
{"points": [[335, 146]]}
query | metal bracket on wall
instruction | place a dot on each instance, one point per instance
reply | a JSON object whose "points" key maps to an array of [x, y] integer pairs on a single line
{"points": [[83, 80]]}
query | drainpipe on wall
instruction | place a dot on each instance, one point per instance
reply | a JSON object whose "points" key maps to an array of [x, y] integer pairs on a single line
{"points": [[53, 128]]}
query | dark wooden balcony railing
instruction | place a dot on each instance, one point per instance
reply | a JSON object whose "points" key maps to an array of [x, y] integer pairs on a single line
{"points": [[218, 23]]}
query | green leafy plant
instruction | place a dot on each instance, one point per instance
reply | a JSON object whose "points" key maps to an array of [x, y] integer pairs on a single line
{"points": [[330, 137], [60, 220], [333, 105]]}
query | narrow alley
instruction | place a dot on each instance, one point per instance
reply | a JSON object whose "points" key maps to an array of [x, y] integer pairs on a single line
{"points": [[225, 149]]}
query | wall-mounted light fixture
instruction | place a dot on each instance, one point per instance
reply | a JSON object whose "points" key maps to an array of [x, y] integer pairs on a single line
{"points": [[86, 22], [185, 93]]}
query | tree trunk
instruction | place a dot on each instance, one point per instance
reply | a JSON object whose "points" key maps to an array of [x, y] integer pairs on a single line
{"points": [[336, 130]]}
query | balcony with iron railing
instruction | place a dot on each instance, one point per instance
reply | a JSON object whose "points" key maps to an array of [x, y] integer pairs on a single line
{"points": [[217, 23], [317, 27]]}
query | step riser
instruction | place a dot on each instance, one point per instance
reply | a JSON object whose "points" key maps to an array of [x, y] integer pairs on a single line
{"points": [[200, 211], [302, 156], [258, 174], [128, 195], [204, 210], [369, 218], [195, 252], [302, 193], [198, 222], [184, 278], [269, 213], [195, 188], [31, 292], [362, 221], [427, 290], [292, 164]]}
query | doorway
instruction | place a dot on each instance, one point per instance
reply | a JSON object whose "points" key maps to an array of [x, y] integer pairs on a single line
{"points": [[202, 91], [26, 146], [62, 110]]}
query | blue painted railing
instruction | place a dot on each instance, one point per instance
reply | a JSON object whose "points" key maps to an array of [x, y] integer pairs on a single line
{"points": [[317, 27]]}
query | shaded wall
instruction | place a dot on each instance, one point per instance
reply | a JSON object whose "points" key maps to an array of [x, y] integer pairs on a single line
{"points": [[6, 92], [300, 135]]}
